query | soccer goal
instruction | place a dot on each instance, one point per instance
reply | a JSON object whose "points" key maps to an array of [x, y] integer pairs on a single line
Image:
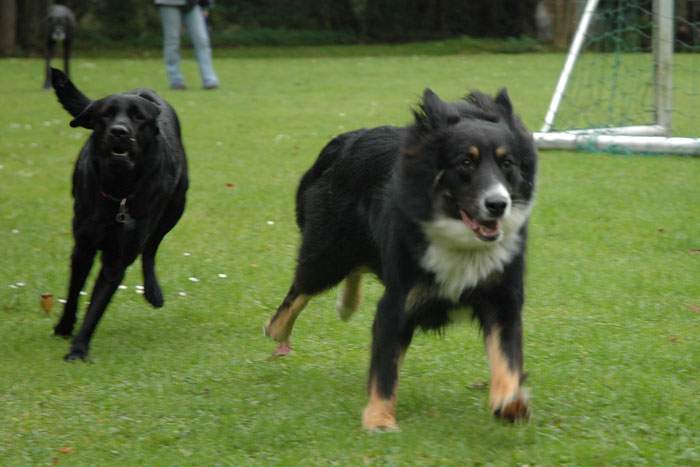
{"points": [[630, 82]]}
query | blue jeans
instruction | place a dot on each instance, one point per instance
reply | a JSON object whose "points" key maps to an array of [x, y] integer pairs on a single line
{"points": [[171, 18]]}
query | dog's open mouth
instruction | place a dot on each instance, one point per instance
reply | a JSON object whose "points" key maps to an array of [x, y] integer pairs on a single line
{"points": [[121, 158], [486, 230]]}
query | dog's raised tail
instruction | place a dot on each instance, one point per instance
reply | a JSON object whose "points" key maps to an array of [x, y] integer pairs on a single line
{"points": [[68, 95]]}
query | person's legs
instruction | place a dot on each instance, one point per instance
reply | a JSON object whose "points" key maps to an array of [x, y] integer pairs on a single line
{"points": [[197, 28], [172, 24]]}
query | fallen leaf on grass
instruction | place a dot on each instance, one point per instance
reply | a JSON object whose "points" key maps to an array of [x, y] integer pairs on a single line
{"points": [[46, 302], [230, 186], [65, 450], [694, 308], [673, 339]]}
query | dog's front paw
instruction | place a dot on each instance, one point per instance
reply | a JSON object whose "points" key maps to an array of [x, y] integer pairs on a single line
{"points": [[153, 295], [75, 354], [513, 408], [379, 417]]}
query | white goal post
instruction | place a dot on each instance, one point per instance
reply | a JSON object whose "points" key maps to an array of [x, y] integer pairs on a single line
{"points": [[652, 138]]}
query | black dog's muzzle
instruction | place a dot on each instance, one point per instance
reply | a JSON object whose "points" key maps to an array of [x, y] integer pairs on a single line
{"points": [[120, 146]]}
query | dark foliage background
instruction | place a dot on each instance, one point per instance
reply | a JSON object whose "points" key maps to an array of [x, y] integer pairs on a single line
{"points": [[290, 22]]}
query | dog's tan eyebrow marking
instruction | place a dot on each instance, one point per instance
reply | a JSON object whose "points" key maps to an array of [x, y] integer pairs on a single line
{"points": [[474, 151], [410, 152], [501, 151]]}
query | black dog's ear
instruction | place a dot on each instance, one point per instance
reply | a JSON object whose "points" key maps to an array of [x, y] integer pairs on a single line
{"points": [[434, 112], [151, 108], [86, 118], [503, 101], [74, 101]]}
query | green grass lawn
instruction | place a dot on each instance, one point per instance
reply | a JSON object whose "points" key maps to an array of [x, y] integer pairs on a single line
{"points": [[612, 319]]}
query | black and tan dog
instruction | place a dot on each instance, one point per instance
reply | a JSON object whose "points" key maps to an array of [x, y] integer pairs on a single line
{"points": [[129, 187], [438, 211], [59, 28]]}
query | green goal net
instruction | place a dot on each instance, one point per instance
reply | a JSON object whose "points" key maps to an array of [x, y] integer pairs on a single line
{"points": [[630, 82]]}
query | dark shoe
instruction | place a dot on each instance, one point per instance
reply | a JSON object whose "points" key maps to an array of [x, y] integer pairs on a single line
{"points": [[179, 87], [211, 86]]}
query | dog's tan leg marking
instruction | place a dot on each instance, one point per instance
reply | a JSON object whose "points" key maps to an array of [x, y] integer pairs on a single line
{"points": [[380, 413], [280, 326], [350, 295], [507, 399]]}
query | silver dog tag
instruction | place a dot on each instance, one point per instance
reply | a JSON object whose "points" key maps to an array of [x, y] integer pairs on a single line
{"points": [[123, 216]]}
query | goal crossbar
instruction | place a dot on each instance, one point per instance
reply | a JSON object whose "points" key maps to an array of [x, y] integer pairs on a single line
{"points": [[654, 138]]}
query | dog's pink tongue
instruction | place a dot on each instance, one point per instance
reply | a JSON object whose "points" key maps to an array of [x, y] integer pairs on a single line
{"points": [[469, 222], [479, 228], [489, 231]]}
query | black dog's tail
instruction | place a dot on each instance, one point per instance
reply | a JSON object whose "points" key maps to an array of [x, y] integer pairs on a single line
{"points": [[325, 159], [68, 95]]}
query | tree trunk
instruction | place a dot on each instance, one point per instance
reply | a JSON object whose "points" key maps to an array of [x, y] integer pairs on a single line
{"points": [[336, 15], [564, 21], [30, 16], [8, 26]]}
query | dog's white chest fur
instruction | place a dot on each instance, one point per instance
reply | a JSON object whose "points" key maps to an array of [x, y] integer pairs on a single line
{"points": [[459, 260]]}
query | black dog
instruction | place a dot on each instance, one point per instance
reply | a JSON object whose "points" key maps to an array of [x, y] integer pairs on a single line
{"points": [[59, 27], [438, 210], [129, 187]]}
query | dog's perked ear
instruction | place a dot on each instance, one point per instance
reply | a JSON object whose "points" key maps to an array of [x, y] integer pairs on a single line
{"points": [[503, 101], [435, 113], [74, 101]]}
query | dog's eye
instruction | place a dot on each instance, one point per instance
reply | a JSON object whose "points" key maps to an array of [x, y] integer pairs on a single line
{"points": [[506, 163], [467, 163]]}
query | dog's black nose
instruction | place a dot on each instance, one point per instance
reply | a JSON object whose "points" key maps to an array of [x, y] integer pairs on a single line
{"points": [[118, 131], [496, 205]]}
